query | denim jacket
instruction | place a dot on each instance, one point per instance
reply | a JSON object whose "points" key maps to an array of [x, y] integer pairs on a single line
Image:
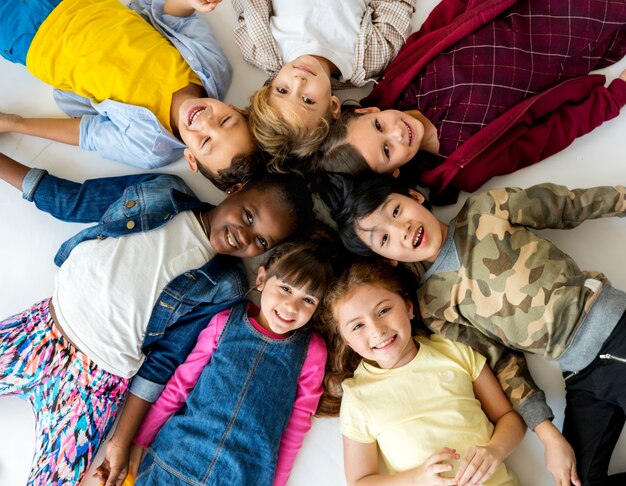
{"points": [[133, 134], [131, 204]]}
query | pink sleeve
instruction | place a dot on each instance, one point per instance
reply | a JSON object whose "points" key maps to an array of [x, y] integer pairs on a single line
{"points": [[183, 380], [307, 397]]}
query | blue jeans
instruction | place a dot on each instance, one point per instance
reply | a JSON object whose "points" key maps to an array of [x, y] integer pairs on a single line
{"points": [[19, 22], [596, 410]]}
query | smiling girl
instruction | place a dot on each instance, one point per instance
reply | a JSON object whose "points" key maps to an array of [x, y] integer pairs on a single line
{"points": [[496, 284], [485, 88], [236, 411], [431, 406]]}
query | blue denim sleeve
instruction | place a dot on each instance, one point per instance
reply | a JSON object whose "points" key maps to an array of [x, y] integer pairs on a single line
{"points": [[75, 202], [180, 337]]}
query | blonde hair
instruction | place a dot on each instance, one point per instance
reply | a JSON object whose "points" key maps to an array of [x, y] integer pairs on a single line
{"points": [[342, 360], [280, 138]]}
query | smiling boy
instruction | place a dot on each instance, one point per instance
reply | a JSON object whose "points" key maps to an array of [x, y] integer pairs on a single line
{"points": [[143, 94]]}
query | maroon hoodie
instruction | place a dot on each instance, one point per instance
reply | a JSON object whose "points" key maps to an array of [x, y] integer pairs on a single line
{"points": [[505, 82]]}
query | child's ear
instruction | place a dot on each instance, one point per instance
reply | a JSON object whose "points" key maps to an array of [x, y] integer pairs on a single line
{"points": [[260, 278], [418, 196], [241, 111], [191, 160], [234, 188], [393, 263], [396, 173], [369, 109], [409, 309], [335, 107]]}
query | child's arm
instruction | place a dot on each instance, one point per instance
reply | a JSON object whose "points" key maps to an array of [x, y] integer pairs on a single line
{"points": [[12, 171], [361, 465], [384, 29], [559, 455], [64, 130], [182, 382], [553, 206], [185, 8], [253, 35], [545, 130], [141, 420], [528, 399], [73, 201], [307, 398], [481, 462]]}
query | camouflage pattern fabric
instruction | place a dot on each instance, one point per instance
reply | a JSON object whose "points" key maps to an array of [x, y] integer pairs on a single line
{"points": [[516, 289]]}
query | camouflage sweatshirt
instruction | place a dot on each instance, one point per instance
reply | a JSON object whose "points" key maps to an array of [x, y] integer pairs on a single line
{"points": [[504, 290]]}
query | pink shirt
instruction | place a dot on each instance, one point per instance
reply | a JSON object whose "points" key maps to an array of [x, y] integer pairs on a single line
{"points": [[187, 374]]}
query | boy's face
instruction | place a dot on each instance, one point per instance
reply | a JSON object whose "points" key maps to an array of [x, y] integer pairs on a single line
{"points": [[248, 223], [386, 139], [302, 91], [214, 133], [402, 229]]}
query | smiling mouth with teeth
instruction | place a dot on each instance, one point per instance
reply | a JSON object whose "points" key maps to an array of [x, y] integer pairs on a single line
{"points": [[231, 239], [417, 238], [284, 318], [193, 115], [385, 343], [410, 131]]}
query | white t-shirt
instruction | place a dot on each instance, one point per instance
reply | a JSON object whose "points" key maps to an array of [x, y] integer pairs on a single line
{"points": [[326, 28], [106, 289]]}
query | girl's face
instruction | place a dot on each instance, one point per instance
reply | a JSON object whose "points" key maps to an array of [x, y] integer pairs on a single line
{"points": [[248, 223], [284, 307], [386, 139], [376, 324], [402, 229]]}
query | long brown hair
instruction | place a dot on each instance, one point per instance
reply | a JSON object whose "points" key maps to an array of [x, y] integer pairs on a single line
{"points": [[342, 360]]}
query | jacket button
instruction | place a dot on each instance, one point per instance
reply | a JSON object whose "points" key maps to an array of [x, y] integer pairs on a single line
{"points": [[130, 225], [131, 204]]}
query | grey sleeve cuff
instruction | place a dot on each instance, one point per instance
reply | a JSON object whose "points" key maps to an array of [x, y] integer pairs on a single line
{"points": [[145, 389], [535, 410], [31, 182]]}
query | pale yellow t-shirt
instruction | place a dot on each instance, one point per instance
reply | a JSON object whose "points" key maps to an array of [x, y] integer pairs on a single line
{"points": [[417, 409], [102, 50]]}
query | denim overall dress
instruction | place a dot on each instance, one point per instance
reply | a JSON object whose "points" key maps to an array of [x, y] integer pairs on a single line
{"points": [[229, 431]]}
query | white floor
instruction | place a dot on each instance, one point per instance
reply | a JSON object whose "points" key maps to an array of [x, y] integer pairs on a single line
{"points": [[29, 239]]}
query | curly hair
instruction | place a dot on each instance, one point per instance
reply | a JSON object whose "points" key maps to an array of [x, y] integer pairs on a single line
{"points": [[281, 138], [342, 360]]}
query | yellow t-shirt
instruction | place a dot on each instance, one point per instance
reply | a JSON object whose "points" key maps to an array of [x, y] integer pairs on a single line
{"points": [[102, 50], [417, 409]]}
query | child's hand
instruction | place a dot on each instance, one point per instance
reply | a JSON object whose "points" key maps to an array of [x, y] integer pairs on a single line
{"points": [[429, 473], [561, 461], [478, 465], [114, 468], [136, 456], [204, 5], [8, 122]]}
